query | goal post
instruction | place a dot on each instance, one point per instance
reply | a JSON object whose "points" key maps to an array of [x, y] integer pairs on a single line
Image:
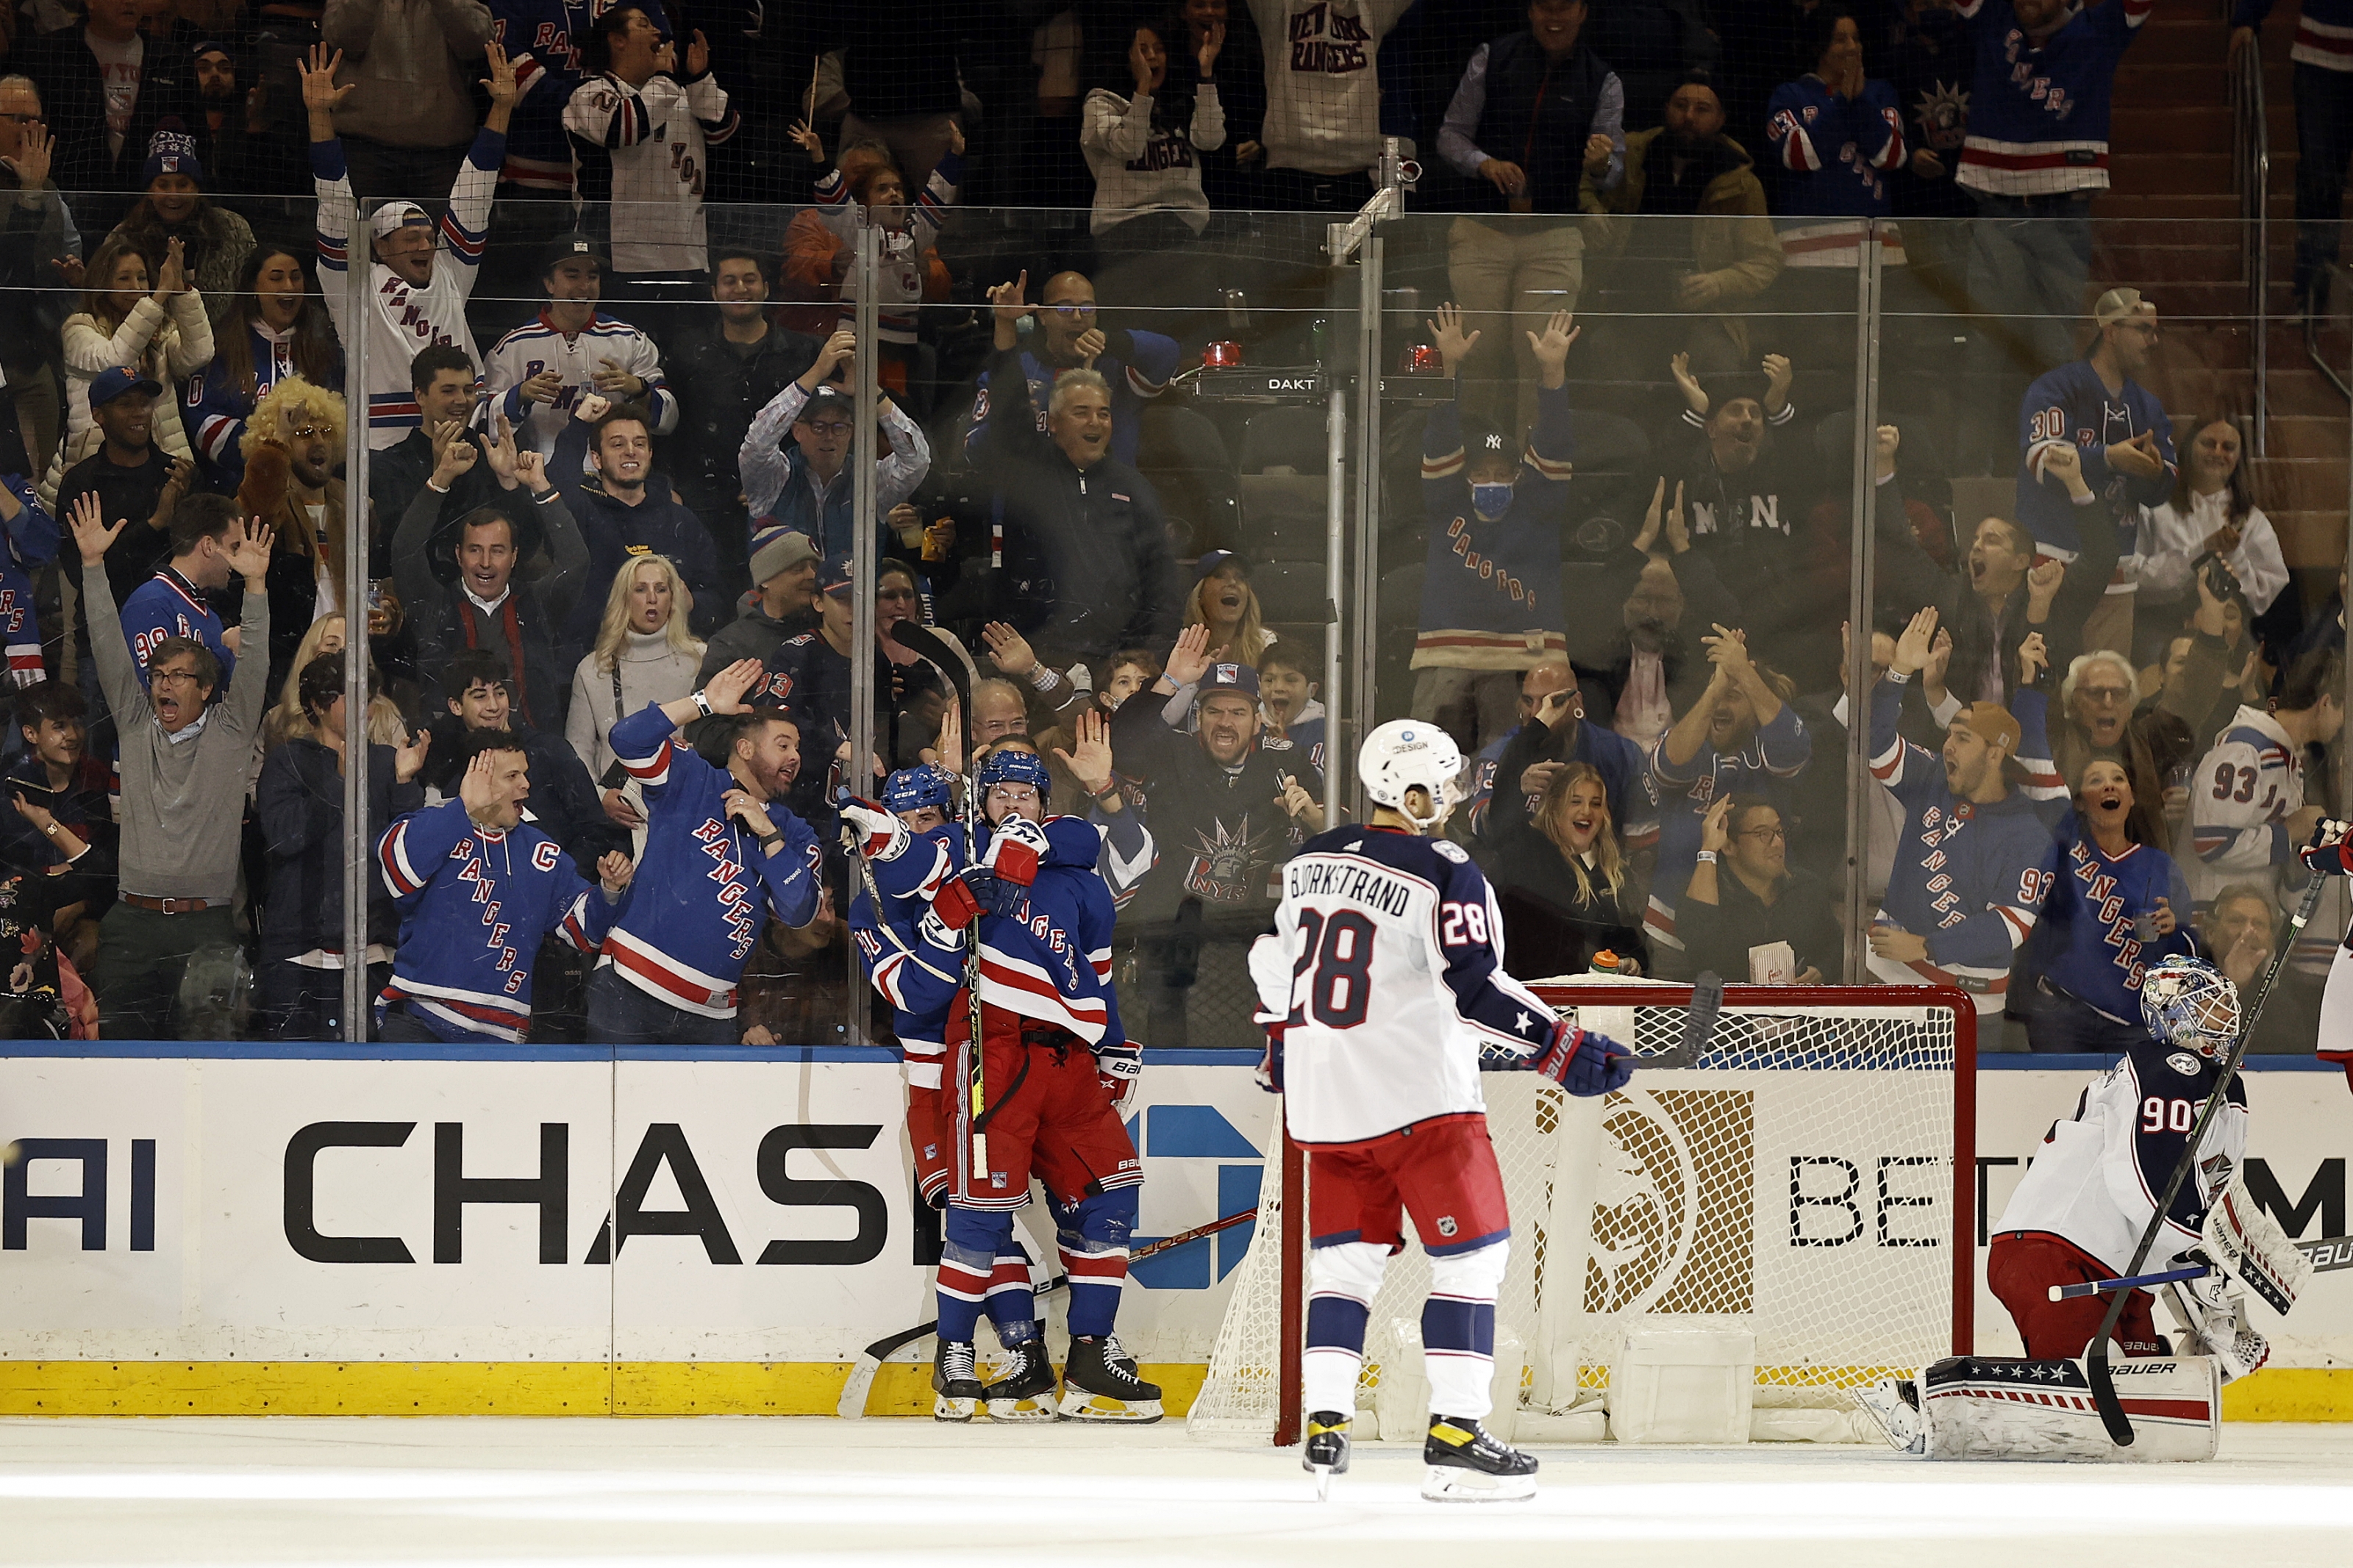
{"points": [[1809, 1180]]}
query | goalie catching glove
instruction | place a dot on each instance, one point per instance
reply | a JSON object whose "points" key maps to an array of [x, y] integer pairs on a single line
{"points": [[1583, 1063], [2214, 1316]]}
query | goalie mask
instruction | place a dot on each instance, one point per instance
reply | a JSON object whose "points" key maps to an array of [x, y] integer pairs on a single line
{"points": [[2189, 1002], [1411, 754]]}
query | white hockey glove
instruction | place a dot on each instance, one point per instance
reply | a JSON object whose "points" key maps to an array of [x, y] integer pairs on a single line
{"points": [[872, 831], [2216, 1324], [1119, 1067], [1015, 847]]}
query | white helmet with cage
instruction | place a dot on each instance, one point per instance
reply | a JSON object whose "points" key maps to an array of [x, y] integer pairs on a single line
{"points": [[1412, 753], [2189, 1002]]}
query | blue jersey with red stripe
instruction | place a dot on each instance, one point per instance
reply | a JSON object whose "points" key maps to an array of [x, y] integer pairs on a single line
{"points": [[694, 910], [2038, 114], [475, 904], [2086, 942], [168, 606], [214, 406], [32, 544], [1836, 153], [1970, 876]]}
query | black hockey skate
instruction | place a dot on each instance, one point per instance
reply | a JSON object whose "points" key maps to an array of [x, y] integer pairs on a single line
{"points": [[1099, 1384], [1326, 1452], [1466, 1464], [1026, 1391], [956, 1391]]}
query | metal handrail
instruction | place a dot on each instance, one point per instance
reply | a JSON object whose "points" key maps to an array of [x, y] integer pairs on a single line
{"points": [[2251, 176]]}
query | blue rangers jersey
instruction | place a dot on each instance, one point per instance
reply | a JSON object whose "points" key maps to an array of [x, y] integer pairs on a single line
{"points": [[215, 406], [2086, 942], [475, 904], [168, 606], [1381, 979], [1970, 879], [2324, 31], [32, 544], [1837, 156], [2095, 1179], [694, 913], [1489, 590], [2039, 117], [1050, 961], [2072, 406]]}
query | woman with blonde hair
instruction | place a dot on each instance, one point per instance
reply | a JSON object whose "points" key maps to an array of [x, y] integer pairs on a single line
{"points": [[157, 329], [1561, 883], [644, 653], [287, 721], [1221, 600]]}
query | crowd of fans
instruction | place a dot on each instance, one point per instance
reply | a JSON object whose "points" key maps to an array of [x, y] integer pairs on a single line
{"points": [[609, 362]]}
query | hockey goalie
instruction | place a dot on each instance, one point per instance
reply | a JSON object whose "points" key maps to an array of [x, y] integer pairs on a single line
{"points": [[2077, 1217]]}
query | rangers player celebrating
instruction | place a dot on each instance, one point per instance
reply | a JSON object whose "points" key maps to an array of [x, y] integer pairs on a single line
{"points": [[2077, 1216], [1381, 981], [1043, 1099]]}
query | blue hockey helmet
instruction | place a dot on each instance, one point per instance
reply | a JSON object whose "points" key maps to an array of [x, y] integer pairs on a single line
{"points": [[912, 789], [2189, 1002], [1011, 764]]}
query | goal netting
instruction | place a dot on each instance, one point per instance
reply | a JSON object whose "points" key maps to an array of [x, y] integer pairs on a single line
{"points": [[1805, 1180]]}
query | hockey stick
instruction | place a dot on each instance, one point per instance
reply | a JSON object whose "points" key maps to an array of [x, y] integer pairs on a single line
{"points": [[930, 647], [1700, 1017], [2328, 1254], [2103, 1384], [852, 1404]]}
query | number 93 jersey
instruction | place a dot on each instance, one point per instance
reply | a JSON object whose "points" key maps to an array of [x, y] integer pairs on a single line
{"points": [[2241, 795], [1382, 980]]}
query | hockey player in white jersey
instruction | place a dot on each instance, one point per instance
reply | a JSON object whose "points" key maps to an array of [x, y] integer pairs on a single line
{"points": [[1378, 987], [2077, 1216], [416, 290]]}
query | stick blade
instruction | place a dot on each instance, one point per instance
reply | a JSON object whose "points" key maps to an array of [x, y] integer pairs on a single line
{"points": [[1699, 1028], [851, 1406]]}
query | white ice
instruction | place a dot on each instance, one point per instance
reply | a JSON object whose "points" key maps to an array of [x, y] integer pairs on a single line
{"points": [[887, 1493]]}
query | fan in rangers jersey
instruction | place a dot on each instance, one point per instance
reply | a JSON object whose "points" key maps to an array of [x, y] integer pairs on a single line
{"points": [[544, 368], [2247, 810], [641, 129], [416, 291]]}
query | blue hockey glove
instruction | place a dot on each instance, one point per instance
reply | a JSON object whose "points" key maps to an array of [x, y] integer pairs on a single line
{"points": [[964, 896], [1583, 1063]]}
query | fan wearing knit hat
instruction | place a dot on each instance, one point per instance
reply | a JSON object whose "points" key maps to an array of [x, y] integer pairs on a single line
{"points": [[172, 205]]}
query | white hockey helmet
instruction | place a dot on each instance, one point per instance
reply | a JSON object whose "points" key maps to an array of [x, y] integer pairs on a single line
{"points": [[2189, 1002], [1411, 754]]}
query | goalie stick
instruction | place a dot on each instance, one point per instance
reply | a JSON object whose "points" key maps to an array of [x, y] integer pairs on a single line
{"points": [[2095, 1363], [2328, 1254], [854, 1392], [930, 647]]}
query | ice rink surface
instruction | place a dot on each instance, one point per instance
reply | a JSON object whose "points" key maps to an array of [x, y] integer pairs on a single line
{"points": [[726, 1491]]}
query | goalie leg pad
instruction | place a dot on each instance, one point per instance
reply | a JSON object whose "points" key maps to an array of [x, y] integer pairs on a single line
{"points": [[969, 1244], [1093, 1237], [1985, 1407], [1342, 1280], [1458, 1329]]}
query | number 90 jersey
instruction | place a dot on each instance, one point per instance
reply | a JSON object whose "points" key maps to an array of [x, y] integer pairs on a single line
{"points": [[1381, 981], [2096, 1178]]}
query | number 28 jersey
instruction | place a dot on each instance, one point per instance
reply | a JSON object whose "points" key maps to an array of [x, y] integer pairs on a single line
{"points": [[1381, 981]]}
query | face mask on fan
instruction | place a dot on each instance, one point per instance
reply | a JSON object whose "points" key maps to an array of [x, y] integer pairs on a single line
{"points": [[1490, 501]]}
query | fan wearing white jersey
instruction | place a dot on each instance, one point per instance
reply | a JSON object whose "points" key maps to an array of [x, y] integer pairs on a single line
{"points": [[2247, 812], [1379, 985], [416, 291]]}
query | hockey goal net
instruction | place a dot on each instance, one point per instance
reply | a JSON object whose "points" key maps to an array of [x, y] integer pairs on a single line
{"points": [[1808, 1179]]}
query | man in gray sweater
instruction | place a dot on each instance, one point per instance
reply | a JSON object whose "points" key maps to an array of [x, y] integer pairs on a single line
{"points": [[185, 767]]}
